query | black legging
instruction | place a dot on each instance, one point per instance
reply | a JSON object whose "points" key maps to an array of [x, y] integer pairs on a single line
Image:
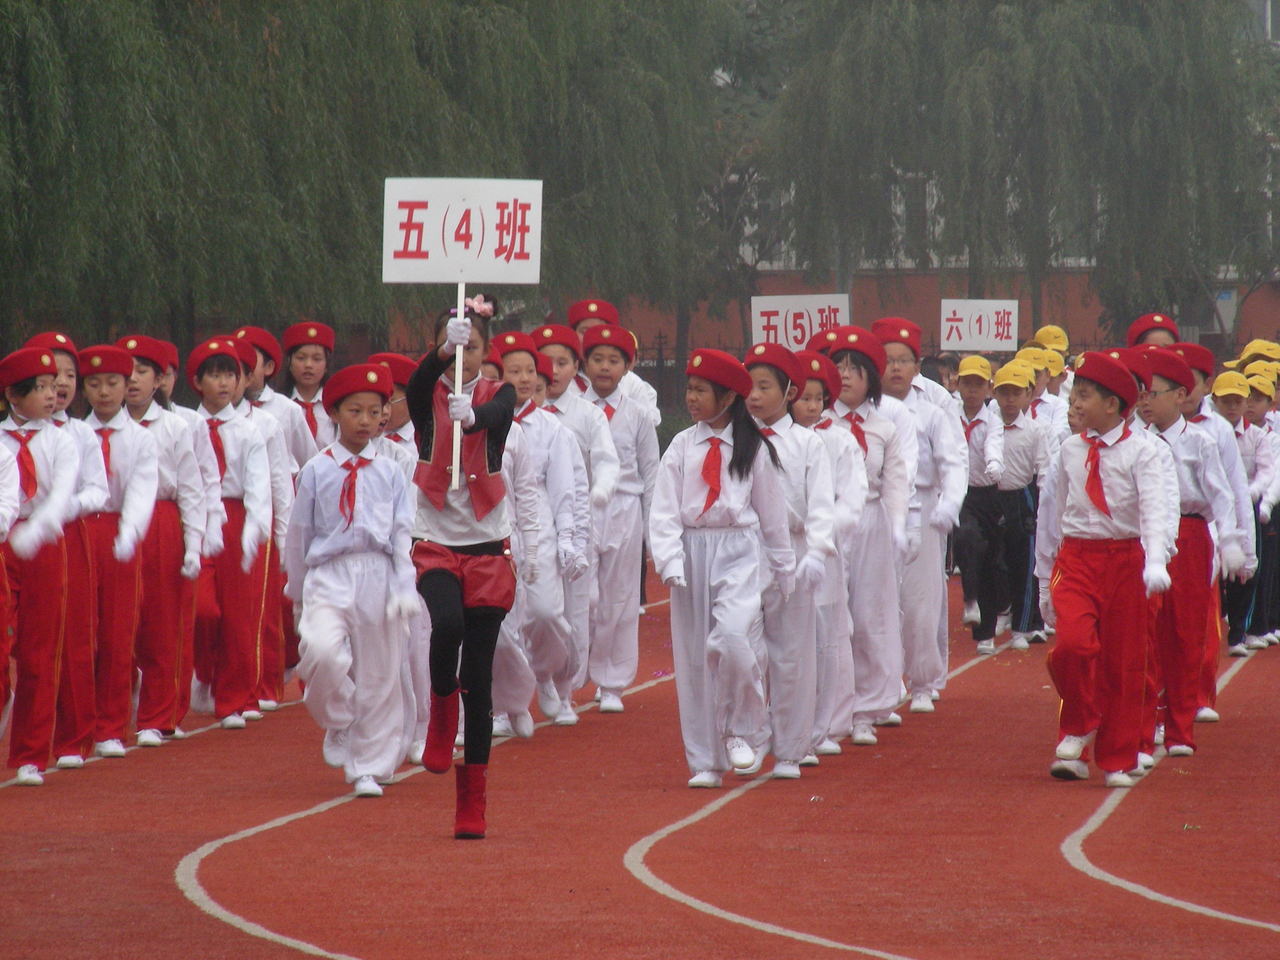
{"points": [[462, 644]]}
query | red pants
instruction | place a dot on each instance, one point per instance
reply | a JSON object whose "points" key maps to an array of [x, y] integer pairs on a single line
{"points": [[1212, 649], [39, 592], [1180, 629], [229, 621], [1098, 660], [163, 646], [77, 707], [271, 683], [119, 602]]}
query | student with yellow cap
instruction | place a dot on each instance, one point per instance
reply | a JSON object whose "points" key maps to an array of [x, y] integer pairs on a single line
{"points": [[1045, 405]]}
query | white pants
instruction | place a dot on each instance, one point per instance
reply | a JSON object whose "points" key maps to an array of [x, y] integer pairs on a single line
{"points": [[615, 611], [833, 713], [418, 669], [719, 687], [791, 644], [922, 584], [513, 679], [544, 629], [351, 661], [579, 597], [873, 606]]}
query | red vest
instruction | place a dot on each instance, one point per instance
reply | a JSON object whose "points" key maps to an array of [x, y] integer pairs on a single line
{"points": [[432, 476]]}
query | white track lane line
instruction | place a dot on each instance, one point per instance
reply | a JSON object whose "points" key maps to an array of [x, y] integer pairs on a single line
{"points": [[1073, 850], [188, 882], [633, 860]]}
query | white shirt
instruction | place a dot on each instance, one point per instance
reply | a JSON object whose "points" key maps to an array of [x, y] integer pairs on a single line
{"points": [[1052, 408], [408, 462], [522, 495], [551, 452], [283, 467], [932, 391], [1258, 454], [293, 424], [380, 521], [1229, 453], [636, 442], [1202, 486], [984, 440], [638, 389], [133, 476], [807, 485], [405, 438], [248, 476], [848, 474], [91, 482], [177, 473], [215, 513], [756, 501], [10, 492], [326, 429], [942, 454], [56, 458], [1132, 484], [590, 428], [1027, 453], [885, 460]]}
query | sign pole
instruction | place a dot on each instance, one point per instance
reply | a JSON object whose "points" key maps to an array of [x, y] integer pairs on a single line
{"points": [[457, 392]]}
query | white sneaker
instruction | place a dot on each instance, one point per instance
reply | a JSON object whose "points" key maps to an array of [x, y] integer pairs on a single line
{"points": [[610, 702], [971, 613], [921, 702], [178, 734], [828, 748], [522, 724], [1159, 737], [1273, 638], [986, 648], [707, 779], [1003, 622], [1181, 750], [251, 714], [892, 720], [567, 716], [786, 770], [109, 748], [1207, 715], [1037, 636], [70, 761], [268, 706], [864, 735], [502, 726], [754, 768], [150, 738], [201, 697], [29, 775], [414, 754], [1070, 747], [1237, 650], [548, 699], [1069, 770], [1255, 643], [809, 760], [935, 696], [232, 721], [1020, 641], [740, 753], [1118, 778], [367, 786], [1146, 761], [335, 746]]}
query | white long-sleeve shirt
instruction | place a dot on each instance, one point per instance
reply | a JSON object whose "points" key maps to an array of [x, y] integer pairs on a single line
{"points": [[636, 440], [248, 475], [10, 492], [984, 440], [91, 480], [1202, 485], [1225, 436], [133, 477], [848, 475], [326, 429], [942, 455], [807, 485], [215, 513], [753, 502], [554, 474], [1027, 453], [896, 412], [283, 466], [1258, 454], [885, 459], [1052, 409], [381, 520], [293, 423], [595, 441], [522, 495], [56, 459], [178, 476]]}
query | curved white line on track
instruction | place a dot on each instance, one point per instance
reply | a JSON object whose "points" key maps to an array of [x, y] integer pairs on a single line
{"points": [[1073, 850]]}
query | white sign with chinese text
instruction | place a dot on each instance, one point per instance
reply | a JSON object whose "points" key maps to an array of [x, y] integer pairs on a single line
{"points": [[437, 230], [792, 320], [979, 325]]}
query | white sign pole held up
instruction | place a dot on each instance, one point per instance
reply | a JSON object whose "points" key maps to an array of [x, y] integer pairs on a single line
{"points": [[437, 230]]}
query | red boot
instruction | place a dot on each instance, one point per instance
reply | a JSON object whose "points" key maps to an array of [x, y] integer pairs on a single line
{"points": [[442, 730], [468, 823]]}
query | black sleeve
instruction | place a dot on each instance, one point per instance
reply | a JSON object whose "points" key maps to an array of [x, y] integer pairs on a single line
{"points": [[497, 413], [418, 393]]}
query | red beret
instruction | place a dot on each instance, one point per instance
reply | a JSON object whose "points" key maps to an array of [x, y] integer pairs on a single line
{"points": [[1151, 321], [401, 367], [778, 356], [217, 347], [898, 330], [722, 369], [1168, 364], [543, 364], [860, 341], [263, 340], [514, 341], [1135, 360], [821, 341], [146, 348], [360, 377], [609, 336], [309, 332], [494, 357], [106, 358], [592, 310], [171, 358], [1197, 357], [820, 367], [246, 352], [53, 341], [558, 334], [1109, 372], [26, 363]]}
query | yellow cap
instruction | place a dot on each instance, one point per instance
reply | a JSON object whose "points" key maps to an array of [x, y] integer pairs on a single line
{"points": [[1256, 348], [975, 366], [1262, 384], [1054, 361], [1231, 384], [1016, 373], [1034, 356], [1262, 368], [1053, 337]]}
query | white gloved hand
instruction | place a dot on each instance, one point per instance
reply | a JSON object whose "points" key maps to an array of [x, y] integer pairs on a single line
{"points": [[900, 541], [1047, 613], [1155, 576], [1264, 513], [400, 606], [191, 564], [995, 471], [297, 616], [249, 544], [1250, 568], [460, 409], [811, 572], [126, 544], [579, 567], [1233, 560], [786, 583], [30, 537], [213, 544], [457, 333], [565, 555], [944, 519], [912, 544], [676, 580], [599, 497], [529, 571]]}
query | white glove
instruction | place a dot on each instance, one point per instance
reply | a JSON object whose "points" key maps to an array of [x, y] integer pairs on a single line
{"points": [[30, 537], [900, 541], [126, 544], [677, 580], [1233, 560], [1250, 568], [297, 616], [564, 556], [1264, 512], [1047, 613], [213, 544], [579, 567], [457, 333], [811, 572], [460, 409], [1155, 576], [400, 606], [599, 498], [529, 571], [944, 519], [786, 583], [995, 471], [249, 545], [191, 565], [912, 544]]}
